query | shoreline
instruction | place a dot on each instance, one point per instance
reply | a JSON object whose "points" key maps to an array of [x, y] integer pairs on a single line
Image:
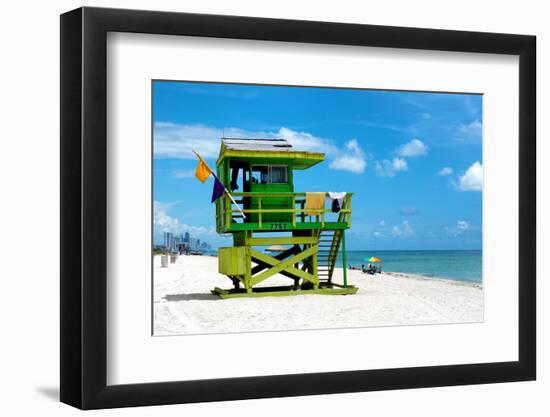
{"points": [[410, 275], [183, 304]]}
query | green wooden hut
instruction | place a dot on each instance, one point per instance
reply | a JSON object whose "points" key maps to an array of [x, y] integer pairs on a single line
{"points": [[259, 173]]}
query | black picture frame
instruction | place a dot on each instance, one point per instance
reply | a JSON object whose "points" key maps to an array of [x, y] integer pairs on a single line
{"points": [[84, 207]]}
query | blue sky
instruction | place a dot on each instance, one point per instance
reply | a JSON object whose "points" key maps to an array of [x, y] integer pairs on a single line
{"points": [[413, 160]]}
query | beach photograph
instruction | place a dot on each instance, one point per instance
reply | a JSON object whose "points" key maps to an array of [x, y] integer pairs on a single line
{"points": [[281, 208]]}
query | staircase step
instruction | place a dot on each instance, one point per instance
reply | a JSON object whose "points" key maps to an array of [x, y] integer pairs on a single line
{"points": [[328, 252]]}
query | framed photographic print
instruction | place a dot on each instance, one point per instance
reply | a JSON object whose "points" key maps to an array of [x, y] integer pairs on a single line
{"points": [[259, 208]]}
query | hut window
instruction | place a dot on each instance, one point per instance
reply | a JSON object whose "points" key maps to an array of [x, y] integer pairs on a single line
{"points": [[278, 174], [260, 174], [269, 174]]}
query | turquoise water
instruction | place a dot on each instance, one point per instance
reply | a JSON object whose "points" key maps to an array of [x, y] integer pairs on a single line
{"points": [[461, 265]]}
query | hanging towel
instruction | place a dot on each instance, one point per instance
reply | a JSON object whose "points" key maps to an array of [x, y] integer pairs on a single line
{"points": [[337, 196], [314, 201], [337, 200]]}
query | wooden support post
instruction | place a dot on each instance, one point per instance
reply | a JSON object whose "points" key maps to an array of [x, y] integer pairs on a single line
{"points": [[348, 206], [344, 259], [227, 209], [294, 212], [260, 212], [248, 276]]}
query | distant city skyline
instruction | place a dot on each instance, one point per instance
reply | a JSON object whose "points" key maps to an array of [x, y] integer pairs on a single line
{"points": [[413, 160], [172, 242]]}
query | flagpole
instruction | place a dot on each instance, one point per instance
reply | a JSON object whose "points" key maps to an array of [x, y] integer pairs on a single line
{"points": [[224, 189]]}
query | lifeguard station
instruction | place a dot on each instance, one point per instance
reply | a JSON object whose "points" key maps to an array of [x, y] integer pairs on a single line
{"points": [[274, 214]]}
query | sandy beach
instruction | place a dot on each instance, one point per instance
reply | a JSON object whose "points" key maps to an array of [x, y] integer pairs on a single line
{"points": [[183, 303]]}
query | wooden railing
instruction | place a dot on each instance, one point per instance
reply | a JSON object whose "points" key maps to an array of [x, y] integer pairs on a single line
{"points": [[228, 214]]}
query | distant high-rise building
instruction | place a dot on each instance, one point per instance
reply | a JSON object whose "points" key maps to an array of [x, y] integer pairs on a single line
{"points": [[169, 240], [186, 238]]}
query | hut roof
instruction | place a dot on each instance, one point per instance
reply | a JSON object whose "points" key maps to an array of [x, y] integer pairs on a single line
{"points": [[272, 150], [276, 145]]}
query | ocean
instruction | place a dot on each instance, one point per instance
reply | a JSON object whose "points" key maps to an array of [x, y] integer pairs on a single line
{"points": [[460, 265]]}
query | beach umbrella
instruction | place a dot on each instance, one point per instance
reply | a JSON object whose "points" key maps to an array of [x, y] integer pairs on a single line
{"points": [[373, 259]]}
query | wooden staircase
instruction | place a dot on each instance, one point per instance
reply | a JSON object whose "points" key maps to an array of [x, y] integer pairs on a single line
{"points": [[329, 246]]}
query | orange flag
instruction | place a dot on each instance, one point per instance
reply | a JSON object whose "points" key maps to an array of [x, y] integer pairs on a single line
{"points": [[202, 172]]}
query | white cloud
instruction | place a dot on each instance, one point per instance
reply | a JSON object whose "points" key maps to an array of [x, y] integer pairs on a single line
{"points": [[382, 223], [445, 171], [301, 140], [472, 179], [471, 129], [378, 234], [461, 227], [408, 210], [173, 140], [407, 229], [376, 125], [157, 205], [163, 222], [183, 173], [411, 149], [404, 230], [387, 168], [352, 159]]}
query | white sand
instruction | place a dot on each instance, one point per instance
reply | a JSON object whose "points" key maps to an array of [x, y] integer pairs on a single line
{"points": [[183, 303]]}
